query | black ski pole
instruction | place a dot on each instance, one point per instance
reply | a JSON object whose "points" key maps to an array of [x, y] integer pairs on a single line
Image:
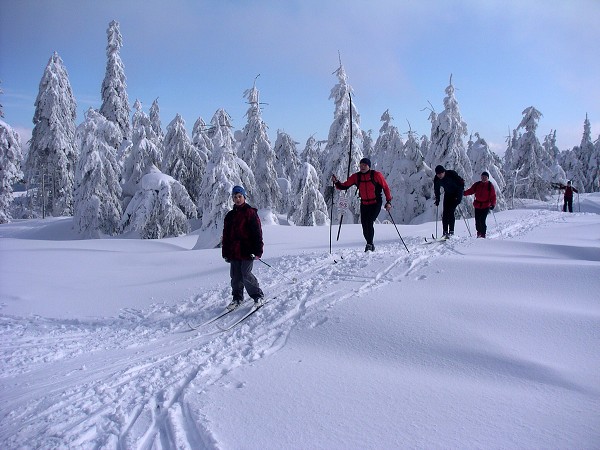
{"points": [[331, 217], [437, 207], [293, 280], [390, 214], [465, 219]]}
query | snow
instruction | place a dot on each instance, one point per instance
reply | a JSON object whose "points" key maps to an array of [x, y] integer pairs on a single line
{"points": [[470, 343]]}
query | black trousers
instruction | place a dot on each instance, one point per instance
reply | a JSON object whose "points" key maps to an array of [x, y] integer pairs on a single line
{"points": [[448, 218], [480, 216], [368, 215], [242, 277], [569, 204]]}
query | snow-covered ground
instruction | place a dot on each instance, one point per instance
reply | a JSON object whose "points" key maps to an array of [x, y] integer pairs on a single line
{"points": [[470, 343]]}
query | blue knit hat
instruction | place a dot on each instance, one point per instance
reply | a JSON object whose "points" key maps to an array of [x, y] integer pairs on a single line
{"points": [[366, 161], [238, 190]]}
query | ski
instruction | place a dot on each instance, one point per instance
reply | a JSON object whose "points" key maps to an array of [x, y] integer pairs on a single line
{"points": [[214, 319], [434, 240], [244, 317]]}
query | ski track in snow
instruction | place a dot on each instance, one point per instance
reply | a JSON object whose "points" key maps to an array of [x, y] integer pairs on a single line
{"points": [[133, 372]]}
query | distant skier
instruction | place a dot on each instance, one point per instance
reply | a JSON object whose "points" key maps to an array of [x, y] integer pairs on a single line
{"points": [[453, 186], [242, 243], [370, 185], [485, 200], [568, 196]]}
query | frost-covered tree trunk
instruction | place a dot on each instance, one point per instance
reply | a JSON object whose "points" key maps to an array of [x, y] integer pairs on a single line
{"points": [[182, 160], [11, 157], [485, 160], [388, 147], [97, 187], [256, 150], [447, 138], [307, 205], [115, 103], [160, 208], [529, 175], [50, 165], [341, 158], [143, 155]]}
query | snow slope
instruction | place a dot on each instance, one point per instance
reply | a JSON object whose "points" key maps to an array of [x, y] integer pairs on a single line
{"points": [[466, 344]]}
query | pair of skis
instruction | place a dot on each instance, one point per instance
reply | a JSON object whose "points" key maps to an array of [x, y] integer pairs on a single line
{"points": [[247, 315], [434, 240]]}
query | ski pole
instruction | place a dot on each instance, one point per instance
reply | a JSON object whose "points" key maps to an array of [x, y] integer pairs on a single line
{"points": [[331, 216], [293, 280], [465, 219], [437, 208], [390, 214], [497, 227]]}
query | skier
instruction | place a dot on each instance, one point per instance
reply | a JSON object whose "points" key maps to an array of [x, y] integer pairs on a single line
{"points": [[242, 243], [453, 186], [370, 184], [568, 196], [485, 200]]}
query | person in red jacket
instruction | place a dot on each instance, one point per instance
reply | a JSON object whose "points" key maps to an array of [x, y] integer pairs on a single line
{"points": [[568, 196], [485, 200], [242, 243], [370, 184]]}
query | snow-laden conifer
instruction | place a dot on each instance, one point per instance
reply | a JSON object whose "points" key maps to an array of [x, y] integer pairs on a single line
{"points": [[594, 167], [388, 147], [11, 157], [286, 156], [161, 207], [154, 116], [484, 159], [557, 173], [201, 139], [256, 150], [115, 103], [528, 173], [182, 160], [588, 159], [448, 130], [224, 170], [143, 155], [50, 165], [307, 205], [338, 154], [97, 187]]}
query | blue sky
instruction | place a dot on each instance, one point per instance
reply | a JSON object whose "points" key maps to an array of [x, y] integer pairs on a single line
{"points": [[198, 56]]}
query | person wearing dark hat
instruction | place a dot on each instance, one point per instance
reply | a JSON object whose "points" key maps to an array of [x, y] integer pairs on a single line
{"points": [[568, 198], [371, 184], [453, 186], [485, 200], [242, 243]]}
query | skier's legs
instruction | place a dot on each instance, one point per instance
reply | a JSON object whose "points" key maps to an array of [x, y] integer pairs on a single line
{"points": [[237, 280], [448, 219], [368, 215], [249, 280]]}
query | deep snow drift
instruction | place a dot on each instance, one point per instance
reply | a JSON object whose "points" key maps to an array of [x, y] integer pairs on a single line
{"points": [[471, 343]]}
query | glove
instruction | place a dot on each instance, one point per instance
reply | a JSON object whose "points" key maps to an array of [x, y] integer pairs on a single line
{"points": [[388, 206], [227, 260], [492, 207], [437, 202], [253, 256], [334, 178]]}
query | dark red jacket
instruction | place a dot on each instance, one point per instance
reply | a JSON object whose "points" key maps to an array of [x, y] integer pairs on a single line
{"points": [[242, 234], [369, 184], [485, 194], [569, 191]]}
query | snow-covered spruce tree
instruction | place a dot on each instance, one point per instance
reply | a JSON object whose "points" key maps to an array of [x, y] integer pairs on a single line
{"points": [[154, 116], [557, 173], [97, 186], [50, 165], [182, 160], [447, 132], [307, 205], [11, 157], [160, 208], [224, 170], [201, 139], [256, 150], [587, 158], [312, 154], [286, 165], [143, 155], [571, 162], [369, 148], [594, 167], [529, 175], [115, 103], [340, 158], [388, 147], [484, 159]]}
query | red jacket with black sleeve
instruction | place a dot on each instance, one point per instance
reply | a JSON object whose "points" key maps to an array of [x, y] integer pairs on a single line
{"points": [[370, 185], [242, 234], [485, 194]]}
